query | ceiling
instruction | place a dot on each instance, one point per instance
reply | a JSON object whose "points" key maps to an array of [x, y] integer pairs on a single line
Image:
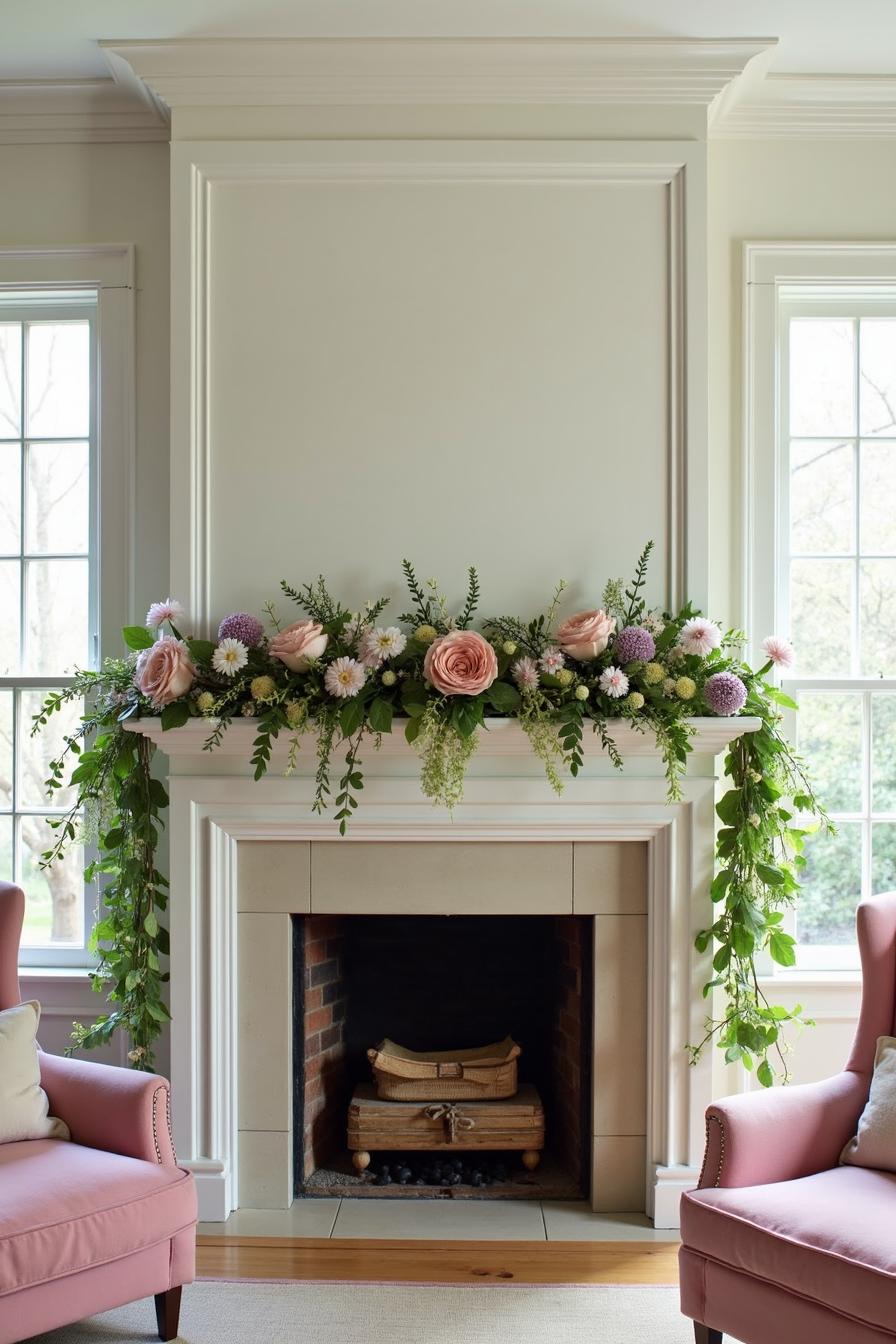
{"points": [[56, 39]]}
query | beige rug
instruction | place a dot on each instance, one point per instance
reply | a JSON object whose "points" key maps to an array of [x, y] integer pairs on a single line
{"points": [[341, 1313]]}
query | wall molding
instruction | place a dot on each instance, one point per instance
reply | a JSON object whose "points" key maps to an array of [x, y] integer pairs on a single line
{"points": [[828, 107], [199, 168], [80, 111], [239, 72]]}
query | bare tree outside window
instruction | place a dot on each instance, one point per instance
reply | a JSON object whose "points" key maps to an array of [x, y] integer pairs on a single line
{"points": [[45, 579]]}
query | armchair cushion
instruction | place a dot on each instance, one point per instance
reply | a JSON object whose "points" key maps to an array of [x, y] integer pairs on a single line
{"points": [[65, 1208], [24, 1109], [875, 1143], [826, 1237]]}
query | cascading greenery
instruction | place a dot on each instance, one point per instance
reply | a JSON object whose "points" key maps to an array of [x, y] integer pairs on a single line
{"points": [[362, 678]]}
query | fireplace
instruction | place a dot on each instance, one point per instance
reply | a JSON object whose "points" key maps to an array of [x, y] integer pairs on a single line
{"points": [[438, 983]]}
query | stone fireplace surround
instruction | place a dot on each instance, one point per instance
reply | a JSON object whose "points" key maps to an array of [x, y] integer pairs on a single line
{"points": [[243, 861]]}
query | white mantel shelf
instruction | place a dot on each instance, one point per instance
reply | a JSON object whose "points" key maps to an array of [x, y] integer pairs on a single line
{"points": [[503, 737]]}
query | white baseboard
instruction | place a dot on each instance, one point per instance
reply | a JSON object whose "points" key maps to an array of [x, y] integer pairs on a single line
{"points": [[664, 1193], [213, 1188]]}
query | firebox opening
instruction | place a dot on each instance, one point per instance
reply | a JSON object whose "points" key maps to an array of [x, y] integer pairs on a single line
{"points": [[442, 983]]}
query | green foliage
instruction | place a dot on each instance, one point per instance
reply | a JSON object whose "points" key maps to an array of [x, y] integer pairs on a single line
{"points": [[759, 847]]}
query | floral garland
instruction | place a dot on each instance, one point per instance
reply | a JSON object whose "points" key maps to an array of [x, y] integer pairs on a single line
{"points": [[346, 676]]}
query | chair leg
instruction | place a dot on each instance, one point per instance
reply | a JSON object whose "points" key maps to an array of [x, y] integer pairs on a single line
{"points": [[168, 1313], [703, 1334]]}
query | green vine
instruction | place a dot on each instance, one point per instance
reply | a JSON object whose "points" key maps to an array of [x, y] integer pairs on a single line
{"points": [[645, 669]]}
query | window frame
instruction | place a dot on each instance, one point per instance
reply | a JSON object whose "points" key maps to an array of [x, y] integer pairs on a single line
{"points": [[106, 271], [781, 281]]}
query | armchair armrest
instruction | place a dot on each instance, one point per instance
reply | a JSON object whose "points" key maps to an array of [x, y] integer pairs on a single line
{"points": [[783, 1133], [118, 1110]]}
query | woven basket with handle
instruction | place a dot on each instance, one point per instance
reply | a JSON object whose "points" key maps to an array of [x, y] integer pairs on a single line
{"points": [[488, 1073]]}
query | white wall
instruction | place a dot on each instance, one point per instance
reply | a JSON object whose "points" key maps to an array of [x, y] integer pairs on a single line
{"points": [[97, 193]]}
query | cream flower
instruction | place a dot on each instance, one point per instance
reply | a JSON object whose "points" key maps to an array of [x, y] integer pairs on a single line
{"points": [[160, 612], [699, 636], [345, 677], [230, 657], [614, 683]]}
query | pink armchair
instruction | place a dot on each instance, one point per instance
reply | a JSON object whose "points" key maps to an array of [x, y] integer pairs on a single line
{"points": [[780, 1243], [105, 1219]]}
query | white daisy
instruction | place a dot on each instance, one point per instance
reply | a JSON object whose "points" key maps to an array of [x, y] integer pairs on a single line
{"points": [[378, 645], [345, 677], [160, 612], [700, 636], [551, 660], [230, 657], [614, 683]]}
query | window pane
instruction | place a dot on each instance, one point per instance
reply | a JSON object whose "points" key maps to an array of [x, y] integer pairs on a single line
{"points": [[35, 753], [56, 501], [877, 384], [877, 581], [9, 617], [830, 738], [10, 499], [879, 498], [883, 753], [832, 886], [821, 597], [55, 616], [10, 379], [883, 857], [5, 757], [54, 899], [822, 498], [58, 380], [822, 378]]}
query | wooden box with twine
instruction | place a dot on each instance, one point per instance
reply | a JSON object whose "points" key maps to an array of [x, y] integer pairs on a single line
{"points": [[485, 1074]]}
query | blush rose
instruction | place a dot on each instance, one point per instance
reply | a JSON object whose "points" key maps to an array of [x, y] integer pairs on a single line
{"points": [[460, 663], [586, 634], [165, 671], [298, 644]]}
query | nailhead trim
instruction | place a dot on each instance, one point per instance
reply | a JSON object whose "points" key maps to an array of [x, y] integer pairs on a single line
{"points": [[714, 1119], [155, 1131]]}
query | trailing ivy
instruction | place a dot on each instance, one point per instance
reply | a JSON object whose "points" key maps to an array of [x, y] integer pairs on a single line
{"points": [[344, 679]]}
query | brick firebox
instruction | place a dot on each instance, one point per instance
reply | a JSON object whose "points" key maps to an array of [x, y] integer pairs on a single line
{"points": [[434, 983]]}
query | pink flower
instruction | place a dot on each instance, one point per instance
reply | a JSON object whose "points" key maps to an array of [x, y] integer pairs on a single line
{"points": [[460, 663], [551, 661], [614, 683], [160, 612], [525, 673], [164, 672], [345, 677], [700, 636], [298, 644], [780, 651], [586, 634]]}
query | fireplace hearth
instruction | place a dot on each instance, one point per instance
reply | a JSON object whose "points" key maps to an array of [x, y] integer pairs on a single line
{"points": [[439, 983]]}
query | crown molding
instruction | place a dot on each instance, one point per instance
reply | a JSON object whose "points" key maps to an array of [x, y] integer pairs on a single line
{"points": [[385, 71], [829, 107], [79, 111]]}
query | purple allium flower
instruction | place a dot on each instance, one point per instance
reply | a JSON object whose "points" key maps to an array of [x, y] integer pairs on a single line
{"points": [[240, 625], [634, 644], [725, 693]]}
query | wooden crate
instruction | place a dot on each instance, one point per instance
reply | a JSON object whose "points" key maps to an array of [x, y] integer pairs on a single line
{"points": [[516, 1124]]}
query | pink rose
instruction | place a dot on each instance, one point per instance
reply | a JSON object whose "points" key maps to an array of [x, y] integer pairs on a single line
{"points": [[586, 634], [460, 663], [298, 644], [165, 671]]}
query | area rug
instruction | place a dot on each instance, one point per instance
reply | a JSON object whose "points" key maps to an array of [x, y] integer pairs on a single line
{"points": [[346, 1313]]}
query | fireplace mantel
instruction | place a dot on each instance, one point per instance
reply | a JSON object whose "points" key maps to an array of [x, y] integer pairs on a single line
{"points": [[501, 737], [217, 808]]}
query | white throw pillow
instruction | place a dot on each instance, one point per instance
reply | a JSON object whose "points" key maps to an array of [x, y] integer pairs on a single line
{"points": [[24, 1108], [875, 1143]]}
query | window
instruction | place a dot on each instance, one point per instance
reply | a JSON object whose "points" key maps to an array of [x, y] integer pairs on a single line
{"points": [[48, 606], [831, 527]]}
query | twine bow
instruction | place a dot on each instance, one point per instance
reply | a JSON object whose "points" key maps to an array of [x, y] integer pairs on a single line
{"points": [[454, 1119]]}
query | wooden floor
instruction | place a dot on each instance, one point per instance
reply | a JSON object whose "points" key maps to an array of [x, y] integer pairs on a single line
{"points": [[437, 1261]]}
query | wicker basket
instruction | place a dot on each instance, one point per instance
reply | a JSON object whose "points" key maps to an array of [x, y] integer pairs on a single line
{"points": [[488, 1073]]}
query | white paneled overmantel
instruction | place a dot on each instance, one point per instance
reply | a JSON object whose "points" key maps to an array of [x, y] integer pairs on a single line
{"points": [[216, 806]]}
